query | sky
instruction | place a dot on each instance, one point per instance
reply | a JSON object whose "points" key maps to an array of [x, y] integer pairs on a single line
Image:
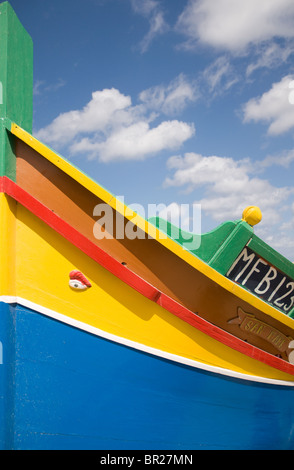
{"points": [[173, 103]]}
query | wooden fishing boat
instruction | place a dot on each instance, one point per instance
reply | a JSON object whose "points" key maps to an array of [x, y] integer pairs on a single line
{"points": [[128, 338]]}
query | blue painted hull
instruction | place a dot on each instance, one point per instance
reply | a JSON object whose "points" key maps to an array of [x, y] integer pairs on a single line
{"points": [[63, 388]]}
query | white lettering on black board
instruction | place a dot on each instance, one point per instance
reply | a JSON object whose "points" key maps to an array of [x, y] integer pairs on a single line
{"points": [[260, 277]]}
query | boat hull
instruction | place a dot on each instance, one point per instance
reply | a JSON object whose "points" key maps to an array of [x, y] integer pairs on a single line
{"points": [[65, 388], [114, 334]]}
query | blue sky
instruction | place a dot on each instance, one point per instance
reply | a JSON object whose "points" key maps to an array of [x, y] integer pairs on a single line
{"points": [[172, 102]]}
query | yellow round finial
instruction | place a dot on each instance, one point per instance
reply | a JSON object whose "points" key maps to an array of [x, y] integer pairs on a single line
{"points": [[252, 215]]}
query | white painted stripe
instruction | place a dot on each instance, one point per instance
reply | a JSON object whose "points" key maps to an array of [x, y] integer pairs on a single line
{"points": [[139, 346]]}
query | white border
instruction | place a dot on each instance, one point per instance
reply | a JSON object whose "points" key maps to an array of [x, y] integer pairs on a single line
{"points": [[141, 347]]}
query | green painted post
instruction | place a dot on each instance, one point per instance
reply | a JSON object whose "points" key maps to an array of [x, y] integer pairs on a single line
{"points": [[231, 248], [16, 84]]}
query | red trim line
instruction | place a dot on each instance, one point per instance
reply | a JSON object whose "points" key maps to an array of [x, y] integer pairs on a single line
{"points": [[133, 280]]}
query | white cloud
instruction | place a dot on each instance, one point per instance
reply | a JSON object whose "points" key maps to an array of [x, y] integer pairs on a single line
{"points": [[235, 24], [229, 186], [284, 159], [109, 127], [104, 108], [281, 238], [137, 141], [270, 55], [219, 76], [172, 98], [37, 87], [273, 107], [144, 7], [40, 86], [157, 24]]}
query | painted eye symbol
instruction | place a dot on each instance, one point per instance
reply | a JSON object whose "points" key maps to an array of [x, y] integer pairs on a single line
{"points": [[77, 284], [78, 280]]}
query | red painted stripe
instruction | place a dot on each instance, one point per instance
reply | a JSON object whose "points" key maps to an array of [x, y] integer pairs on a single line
{"points": [[135, 281]]}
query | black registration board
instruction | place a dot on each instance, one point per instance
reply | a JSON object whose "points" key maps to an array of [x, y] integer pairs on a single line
{"points": [[263, 279]]}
